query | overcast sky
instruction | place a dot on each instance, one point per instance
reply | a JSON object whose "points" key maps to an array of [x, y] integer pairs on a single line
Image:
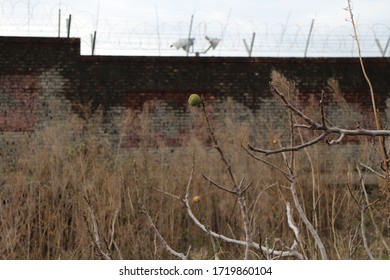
{"points": [[148, 27], [325, 10]]}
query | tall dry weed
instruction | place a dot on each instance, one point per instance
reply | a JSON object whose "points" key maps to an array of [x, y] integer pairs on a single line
{"points": [[43, 211]]}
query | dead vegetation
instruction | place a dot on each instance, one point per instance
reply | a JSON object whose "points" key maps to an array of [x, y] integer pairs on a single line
{"points": [[71, 194]]}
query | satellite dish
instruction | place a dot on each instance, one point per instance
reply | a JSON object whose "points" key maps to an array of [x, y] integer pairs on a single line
{"points": [[184, 44], [213, 42]]}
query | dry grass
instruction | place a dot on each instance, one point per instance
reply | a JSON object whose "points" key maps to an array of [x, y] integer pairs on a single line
{"points": [[43, 214]]}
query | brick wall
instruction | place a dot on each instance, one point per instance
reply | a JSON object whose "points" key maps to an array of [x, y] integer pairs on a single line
{"points": [[43, 80]]}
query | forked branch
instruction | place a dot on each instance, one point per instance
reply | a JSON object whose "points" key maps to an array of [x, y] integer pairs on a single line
{"points": [[290, 252], [237, 187]]}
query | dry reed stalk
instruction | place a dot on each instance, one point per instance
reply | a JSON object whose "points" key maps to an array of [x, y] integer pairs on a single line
{"points": [[378, 123]]}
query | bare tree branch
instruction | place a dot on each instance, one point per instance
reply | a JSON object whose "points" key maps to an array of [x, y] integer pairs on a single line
{"points": [[153, 225], [236, 187], [266, 162], [323, 119], [315, 126], [218, 185], [378, 123], [301, 212], [373, 171], [95, 231], [363, 232], [293, 108], [246, 188], [368, 206], [288, 149], [336, 141], [254, 245], [292, 226], [112, 239], [160, 237], [167, 193]]}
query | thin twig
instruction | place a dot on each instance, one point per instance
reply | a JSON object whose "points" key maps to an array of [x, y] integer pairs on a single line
{"points": [[236, 187], [322, 109], [368, 206], [288, 149], [363, 232], [218, 185], [297, 204], [313, 179], [352, 195], [362, 222], [384, 154], [151, 222], [266, 162], [112, 239], [292, 107], [95, 231], [217, 147], [167, 193], [373, 171], [246, 188], [336, 141], [160, 237]]}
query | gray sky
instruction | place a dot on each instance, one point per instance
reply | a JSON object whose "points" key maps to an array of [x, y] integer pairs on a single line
{"points": [[149, 27], [330, 11]]}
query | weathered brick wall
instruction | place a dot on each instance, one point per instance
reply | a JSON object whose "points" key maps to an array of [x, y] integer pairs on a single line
{"points": [[42, 80], [38, 77]]}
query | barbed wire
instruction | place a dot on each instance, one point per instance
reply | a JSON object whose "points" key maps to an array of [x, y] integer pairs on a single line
{"points": [[120, 36]]}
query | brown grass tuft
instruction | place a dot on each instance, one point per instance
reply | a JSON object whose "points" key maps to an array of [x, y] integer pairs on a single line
{"points": [[43, 211]]}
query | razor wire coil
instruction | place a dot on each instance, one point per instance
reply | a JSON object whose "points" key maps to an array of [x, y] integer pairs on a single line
{"points": [[120, 36]]}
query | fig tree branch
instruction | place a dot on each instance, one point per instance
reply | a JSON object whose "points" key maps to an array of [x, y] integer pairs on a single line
{"points": [[324, 127]]}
